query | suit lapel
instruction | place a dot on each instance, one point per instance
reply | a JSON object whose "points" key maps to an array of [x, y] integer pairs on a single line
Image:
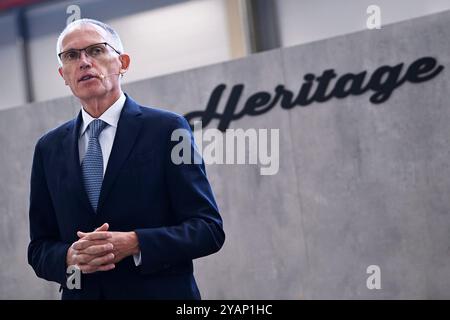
{"points": [[127, 131], [75, 180]]}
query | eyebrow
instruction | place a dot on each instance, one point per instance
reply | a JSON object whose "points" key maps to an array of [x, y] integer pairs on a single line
{"points": [[80, 48]]}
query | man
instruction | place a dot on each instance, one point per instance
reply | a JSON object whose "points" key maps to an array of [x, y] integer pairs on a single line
{"points": [[105, 193]]}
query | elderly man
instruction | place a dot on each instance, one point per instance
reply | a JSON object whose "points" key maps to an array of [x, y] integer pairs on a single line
{"points": [[105, 193]]}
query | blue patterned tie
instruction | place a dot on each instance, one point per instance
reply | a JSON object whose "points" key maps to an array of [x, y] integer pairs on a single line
{"points": [[92, 165]]}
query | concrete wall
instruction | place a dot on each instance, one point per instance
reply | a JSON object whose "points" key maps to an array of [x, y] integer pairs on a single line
{"points": [[359, 184]]}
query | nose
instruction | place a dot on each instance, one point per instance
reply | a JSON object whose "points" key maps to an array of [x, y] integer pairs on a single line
{"points": [[84, 61]]}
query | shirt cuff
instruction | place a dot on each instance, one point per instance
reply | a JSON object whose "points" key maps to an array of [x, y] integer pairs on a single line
{"points": [[137, 259]]}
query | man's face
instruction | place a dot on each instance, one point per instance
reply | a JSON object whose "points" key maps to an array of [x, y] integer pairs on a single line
{"points": [[83, 75]]}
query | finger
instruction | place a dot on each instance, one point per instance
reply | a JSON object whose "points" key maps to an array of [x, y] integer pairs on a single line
{"points": [[99, 249], [85, 268], [99, 235], [82, 234], [106, 259], [103, 227], [81, 258], [83, 244], [76, 258]]}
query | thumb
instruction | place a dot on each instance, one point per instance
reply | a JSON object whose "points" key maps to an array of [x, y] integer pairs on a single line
{"points": [[81, 234], [103, 227]]}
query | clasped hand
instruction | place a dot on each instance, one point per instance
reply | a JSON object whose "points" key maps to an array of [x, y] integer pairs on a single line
{"points": [[101, 249]]}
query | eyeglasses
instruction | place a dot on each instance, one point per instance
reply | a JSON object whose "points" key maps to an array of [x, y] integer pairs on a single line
{"points": [[94, 50]]}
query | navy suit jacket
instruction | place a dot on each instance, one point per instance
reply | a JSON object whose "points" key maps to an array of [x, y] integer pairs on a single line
{"points": [[170, 207]]}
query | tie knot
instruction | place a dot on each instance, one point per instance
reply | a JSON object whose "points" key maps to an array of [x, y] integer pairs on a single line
{"points": [[95, 127]]}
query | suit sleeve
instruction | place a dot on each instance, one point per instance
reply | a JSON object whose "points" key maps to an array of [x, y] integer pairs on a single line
{"points": [[199, 231], [46, 252]]}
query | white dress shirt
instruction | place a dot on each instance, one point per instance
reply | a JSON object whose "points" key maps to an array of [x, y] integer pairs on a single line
{"points": [[106, 138]]}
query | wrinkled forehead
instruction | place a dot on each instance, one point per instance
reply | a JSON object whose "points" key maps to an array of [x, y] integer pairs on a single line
{"points": [[82, 35]]}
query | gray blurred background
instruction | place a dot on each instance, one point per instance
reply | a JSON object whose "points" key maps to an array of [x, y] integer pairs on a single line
{"points": [[359, 184]]}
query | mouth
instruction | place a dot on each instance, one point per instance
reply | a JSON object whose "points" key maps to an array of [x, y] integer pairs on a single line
{"points": [[87, 77]]}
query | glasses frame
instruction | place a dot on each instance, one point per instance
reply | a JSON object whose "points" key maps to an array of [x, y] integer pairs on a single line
{"points": [[106, 44]]}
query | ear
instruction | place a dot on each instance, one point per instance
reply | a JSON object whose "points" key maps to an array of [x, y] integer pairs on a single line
{"points": [[61, 73], [125, 62]]}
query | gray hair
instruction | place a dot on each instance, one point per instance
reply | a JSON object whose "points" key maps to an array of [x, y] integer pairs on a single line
{"points": [[115, 39]]}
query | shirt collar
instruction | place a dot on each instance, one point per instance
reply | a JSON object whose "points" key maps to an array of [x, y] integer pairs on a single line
{"points": [[110, 116]]}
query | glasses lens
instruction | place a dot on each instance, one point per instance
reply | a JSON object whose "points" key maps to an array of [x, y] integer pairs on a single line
{"points": [[96, 50], [70, 55]]}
